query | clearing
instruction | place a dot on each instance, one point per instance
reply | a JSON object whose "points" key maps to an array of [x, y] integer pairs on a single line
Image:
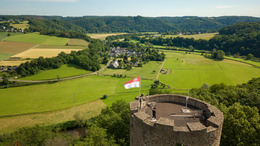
{"points": [[77, 42], [191, 71], [102, 36]]}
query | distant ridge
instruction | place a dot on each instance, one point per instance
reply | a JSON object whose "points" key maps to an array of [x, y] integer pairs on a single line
{"points": [[108, 24]]}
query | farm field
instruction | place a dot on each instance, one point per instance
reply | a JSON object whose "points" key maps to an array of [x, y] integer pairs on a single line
{"points": [[86, 111], [257, 64], [205, 36], [23, 25], [35, 38], [64, 71], [60, 47], [102, 36], [11, 63], [3, 35], [191, 71], [36, 53], [146, 71], [77, 42], [14, 47], [49, 97], [3, 56]]}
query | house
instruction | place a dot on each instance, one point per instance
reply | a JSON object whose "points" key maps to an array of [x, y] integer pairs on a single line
{"points": [[114, 64]]}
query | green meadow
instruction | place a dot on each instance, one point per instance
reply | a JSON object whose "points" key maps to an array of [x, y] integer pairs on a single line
{"points": [[146, 72], [205, 36], [65, 94], [192, 70], [66, 70], [3, 35], [4, 56], [38, 39]]}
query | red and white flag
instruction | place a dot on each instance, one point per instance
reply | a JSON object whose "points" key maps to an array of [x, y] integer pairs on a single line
{"points": [[133, 83]]}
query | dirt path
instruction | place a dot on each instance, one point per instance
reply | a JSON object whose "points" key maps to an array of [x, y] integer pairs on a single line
{"points": [[160, 70]]}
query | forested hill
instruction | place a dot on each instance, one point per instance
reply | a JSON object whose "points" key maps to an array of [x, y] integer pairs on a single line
{"points": [[107, 24]]}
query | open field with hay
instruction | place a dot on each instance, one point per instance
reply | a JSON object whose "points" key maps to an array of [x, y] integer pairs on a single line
{"points": [[77, 42], [60, 47], [22, 25], [60, 95], [86, 111], [191, 71], [36, 53], [102, 36], [11, 63], [66, 70], [205, 36]]}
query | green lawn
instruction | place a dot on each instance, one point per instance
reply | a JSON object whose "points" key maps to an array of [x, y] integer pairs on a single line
{"points": [[64, 71], [191, 71], [38, 39], [146, 71], [3, 56], [3, 35], [48, 97]]}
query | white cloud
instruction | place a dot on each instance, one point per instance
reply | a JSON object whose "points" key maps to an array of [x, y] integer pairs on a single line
{"points": [[224, 7]]}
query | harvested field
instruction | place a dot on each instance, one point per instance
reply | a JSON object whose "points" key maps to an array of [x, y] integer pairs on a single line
{"points": [[14, 47], [35, 53], [77, 42], [103, 36], [60, 47], [11, 63]]}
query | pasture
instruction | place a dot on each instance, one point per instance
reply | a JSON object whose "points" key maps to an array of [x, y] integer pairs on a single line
{"points": [[191, 71], [35, 38], [86, 111], [146, 72], [64, 71], [3, 56], [60, 95], [3, 35], [205, 36], [36, 53]]}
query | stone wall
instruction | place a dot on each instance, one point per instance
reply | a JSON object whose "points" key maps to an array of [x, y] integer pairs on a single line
{"points": [[162, 132]]}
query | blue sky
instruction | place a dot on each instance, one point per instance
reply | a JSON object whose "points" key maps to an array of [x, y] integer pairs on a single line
{"points": [[151, 8]]}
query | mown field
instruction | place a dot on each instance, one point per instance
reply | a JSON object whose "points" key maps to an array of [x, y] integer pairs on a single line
{"points": [[23, 25], [48, 97], [192, 70], [3, 35], [205, 36], [86, 111], [64, 71], [102, 36], [148, 71]]}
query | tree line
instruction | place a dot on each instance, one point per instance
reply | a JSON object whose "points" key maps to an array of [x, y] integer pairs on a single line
{"points": [[245, 40]]}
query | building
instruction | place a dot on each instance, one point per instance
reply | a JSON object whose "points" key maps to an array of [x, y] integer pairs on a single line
{"points": [[177, 122], [114, 64]]}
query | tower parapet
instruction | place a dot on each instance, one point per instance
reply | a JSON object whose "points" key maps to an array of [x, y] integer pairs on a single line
{"points": [[201, 125]]}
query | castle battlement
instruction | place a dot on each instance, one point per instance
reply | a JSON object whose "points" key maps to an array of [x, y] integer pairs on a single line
{"points": [[201, 126]]}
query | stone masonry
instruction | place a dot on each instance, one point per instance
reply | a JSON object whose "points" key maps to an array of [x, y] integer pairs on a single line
{"points": [[163, 131]]}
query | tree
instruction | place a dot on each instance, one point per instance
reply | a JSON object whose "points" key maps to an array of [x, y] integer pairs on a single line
{"points": [[5, 80], [218, 55], [249, 56]]}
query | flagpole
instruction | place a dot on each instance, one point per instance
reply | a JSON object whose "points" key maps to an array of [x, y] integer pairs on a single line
{"points": [[140, 86], [139, 100]]}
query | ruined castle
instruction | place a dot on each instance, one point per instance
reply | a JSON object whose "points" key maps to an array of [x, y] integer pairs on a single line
{"points": [[179, 121]]}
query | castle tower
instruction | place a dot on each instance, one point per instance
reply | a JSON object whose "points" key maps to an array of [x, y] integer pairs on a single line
{"points": [[198, 124]]}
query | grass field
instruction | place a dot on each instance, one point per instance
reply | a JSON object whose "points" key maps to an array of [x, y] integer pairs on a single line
{"points": [[64, 71], [22, 25], [191, 71], [146, 71], [86, 111], [205, 36], [3, 35], [48, 97], [36, 53], [59, 47], [3, 56], [38, 39], [257, 64], [77, 42]]}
